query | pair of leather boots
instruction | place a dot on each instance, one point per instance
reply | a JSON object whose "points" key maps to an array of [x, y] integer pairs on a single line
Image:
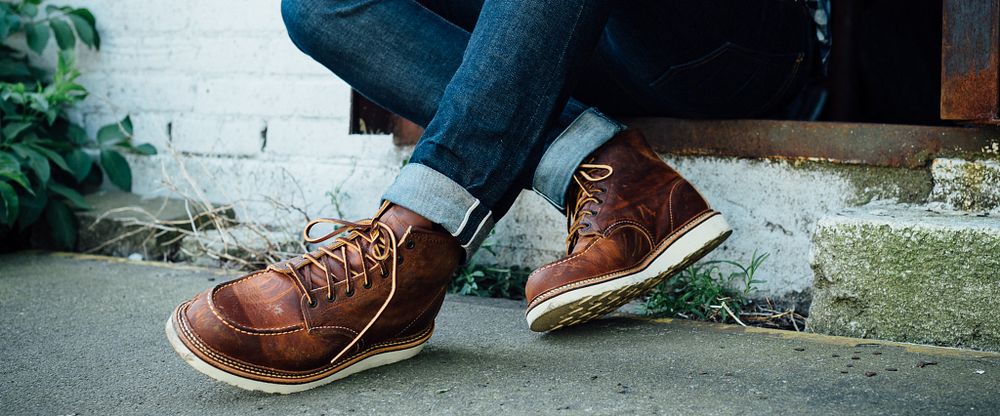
{"points": [[370, 298]]}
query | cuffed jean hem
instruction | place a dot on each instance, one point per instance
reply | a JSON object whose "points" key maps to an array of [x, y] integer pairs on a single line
{"points": [[581, 138], [443, 201]]}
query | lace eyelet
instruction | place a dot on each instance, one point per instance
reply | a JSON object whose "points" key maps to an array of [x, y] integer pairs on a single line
{"points": [[385, 272], [410, 245], [399, 259], [367, 285], [329, 299], [349, 293], [313, 304]]}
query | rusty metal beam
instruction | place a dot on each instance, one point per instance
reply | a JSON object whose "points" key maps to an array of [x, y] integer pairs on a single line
{"points": [[891, 145], [970, 61], [851, 143]]}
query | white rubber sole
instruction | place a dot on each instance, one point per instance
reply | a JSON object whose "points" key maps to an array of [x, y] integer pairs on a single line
{"points": [[207, 369], [589, 302]]}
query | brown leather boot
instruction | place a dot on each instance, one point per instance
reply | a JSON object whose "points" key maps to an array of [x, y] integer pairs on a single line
{"points": [[369, 299], [634, 222]]}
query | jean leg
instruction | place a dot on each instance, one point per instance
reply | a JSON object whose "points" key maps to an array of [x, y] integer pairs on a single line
{"points": [[493, 119], [400, 54], [403, 54], [397, 53]]}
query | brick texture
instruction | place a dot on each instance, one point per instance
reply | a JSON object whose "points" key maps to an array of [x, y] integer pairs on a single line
{"points": [[210, 78]]}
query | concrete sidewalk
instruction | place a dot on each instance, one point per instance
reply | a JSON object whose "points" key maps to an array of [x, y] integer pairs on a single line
{"points": [[85, 336]]}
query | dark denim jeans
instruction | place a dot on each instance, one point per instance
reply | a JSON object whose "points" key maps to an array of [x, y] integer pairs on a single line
{"points": [[507, 89]]}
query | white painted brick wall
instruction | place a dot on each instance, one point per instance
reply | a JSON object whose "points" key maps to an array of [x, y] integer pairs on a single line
{"points": [[323, 138], [209, 78], [218, 87], [204, 133], [218, 72]]}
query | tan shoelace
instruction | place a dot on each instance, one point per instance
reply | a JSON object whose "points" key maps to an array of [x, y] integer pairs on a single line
{"points": [[382, 245], [586, 177], [378, 237]]}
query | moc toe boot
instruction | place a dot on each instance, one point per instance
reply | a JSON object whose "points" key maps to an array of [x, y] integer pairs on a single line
{"points": [[633, 222], [368, 299]]}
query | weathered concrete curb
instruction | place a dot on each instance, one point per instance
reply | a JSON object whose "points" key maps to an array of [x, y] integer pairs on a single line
{"points": [[969, 185], [908, 274], [118, 224]]}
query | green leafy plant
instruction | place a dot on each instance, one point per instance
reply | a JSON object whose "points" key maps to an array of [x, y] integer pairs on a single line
{"points": [[46, 160], [714, 291], [489, 281]]}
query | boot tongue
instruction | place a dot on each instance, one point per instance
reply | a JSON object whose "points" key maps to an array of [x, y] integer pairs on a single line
{"points": [[398, 219]]}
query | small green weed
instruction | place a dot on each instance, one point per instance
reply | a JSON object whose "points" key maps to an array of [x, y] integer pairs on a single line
{"points": [[489, 281], [714, 291]]}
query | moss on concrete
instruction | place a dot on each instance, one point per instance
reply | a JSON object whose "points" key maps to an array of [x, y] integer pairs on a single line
{"points": [[903, 185], [908, 275], [874, 182], [967, 185]]}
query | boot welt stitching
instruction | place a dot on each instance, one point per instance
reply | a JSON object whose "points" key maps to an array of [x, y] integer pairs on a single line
{"points": [[266, 373], [271, 373], [668, 241]]}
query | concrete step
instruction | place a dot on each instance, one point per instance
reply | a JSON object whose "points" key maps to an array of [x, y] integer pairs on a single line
{"points": [[908, 273], [241, 246], [967, 185], [120, 224]]}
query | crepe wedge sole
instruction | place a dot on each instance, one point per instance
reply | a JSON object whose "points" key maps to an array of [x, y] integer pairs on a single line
{"points": [[607, 293]]}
